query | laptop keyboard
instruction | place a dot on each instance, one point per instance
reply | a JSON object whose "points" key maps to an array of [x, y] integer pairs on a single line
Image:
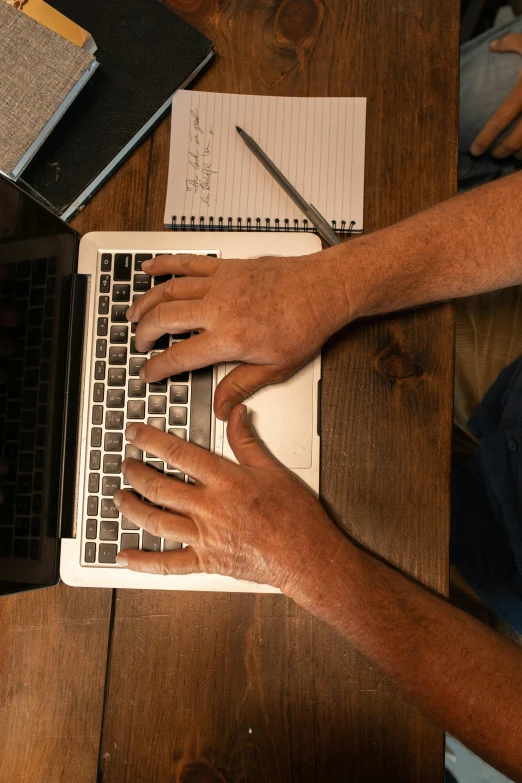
{"points": [[24, 407], [180, 405]]}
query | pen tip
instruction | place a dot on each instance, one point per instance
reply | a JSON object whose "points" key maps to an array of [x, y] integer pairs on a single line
{"points": [[238, 129]]}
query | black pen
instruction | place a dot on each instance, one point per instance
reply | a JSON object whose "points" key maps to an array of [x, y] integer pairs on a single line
{"points": [[315, 217]]}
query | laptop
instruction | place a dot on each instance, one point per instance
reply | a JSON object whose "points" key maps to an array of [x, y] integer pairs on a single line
{"points": [[70, 384]]}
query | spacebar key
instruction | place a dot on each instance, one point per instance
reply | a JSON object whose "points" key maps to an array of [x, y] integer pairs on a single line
{"points": [[201, 407]]}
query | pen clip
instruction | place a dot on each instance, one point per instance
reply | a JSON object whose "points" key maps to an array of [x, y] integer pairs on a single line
{"points": [[319, 216], [315, 211], [324, 228]]}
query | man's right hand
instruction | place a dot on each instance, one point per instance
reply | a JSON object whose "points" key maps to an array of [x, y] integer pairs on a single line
{"points": [[272, 314]]}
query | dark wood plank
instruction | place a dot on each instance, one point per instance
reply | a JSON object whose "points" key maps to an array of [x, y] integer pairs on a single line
{"points": [[121, 204], [393, 480], [207, 688], [52, 676], [55, 641]]}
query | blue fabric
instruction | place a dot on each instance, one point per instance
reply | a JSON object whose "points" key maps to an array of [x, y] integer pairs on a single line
{"points": [[486, 80], [486, 520]]}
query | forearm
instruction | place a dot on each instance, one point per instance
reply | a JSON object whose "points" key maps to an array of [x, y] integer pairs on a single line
{"points": [[468, 678], [467, 245]]}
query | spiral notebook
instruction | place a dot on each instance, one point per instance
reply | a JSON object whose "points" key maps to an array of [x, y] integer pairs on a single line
{"points": [[215, 183]]}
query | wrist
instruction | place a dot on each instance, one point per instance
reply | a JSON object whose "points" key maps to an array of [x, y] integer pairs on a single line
{"points": [[329, 585], [347, 277], [396, 268], [331, 291]]}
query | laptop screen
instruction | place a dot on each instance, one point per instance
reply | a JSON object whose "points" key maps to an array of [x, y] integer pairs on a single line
{"points": [[37, 259]]}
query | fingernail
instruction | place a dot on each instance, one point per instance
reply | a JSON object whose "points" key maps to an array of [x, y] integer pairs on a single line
{"points": [[129, 313], [121, 559], [225, 411], [131, 432], [117, 499], [146, 264], [475, 149], [142, 375], [243, 414], [493, 44]]}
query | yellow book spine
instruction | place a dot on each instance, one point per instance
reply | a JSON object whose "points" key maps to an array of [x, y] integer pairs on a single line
{"points": [[54, 20]]}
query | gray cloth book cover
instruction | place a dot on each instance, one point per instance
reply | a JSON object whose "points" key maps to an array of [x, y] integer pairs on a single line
{"points": [[40, 75]]}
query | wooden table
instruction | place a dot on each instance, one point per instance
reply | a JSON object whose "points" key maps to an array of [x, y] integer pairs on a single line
{"points": [[147, 687]]}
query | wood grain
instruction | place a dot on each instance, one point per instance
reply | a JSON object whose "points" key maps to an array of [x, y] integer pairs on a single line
{"points": [[52, 675], [205, 688]]}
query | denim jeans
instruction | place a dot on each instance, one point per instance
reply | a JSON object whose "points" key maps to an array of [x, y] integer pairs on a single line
{"points": [[486, 79]]}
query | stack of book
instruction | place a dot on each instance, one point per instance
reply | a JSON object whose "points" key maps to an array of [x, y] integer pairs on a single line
{"points": [[41, 73], [48, 16], [68, 118]]}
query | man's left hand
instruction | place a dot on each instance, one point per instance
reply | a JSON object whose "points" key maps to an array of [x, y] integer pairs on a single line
{"points": [[253, 520]]}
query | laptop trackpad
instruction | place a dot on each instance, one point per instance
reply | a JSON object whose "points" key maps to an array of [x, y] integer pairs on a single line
{"points": [[282, 416]]}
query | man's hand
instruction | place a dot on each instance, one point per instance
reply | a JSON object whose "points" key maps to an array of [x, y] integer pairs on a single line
{"points": [[273, 314], [253, 521], [509, 111]]}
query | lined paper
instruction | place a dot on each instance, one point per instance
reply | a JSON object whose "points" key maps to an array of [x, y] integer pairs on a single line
{"points": [[318, 143]]}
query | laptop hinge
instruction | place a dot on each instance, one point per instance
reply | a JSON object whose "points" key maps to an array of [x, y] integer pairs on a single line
{"points": [[37, 196], [68, 485]]}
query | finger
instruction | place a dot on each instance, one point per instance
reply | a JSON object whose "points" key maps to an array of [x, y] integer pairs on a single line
{"points": [[171, 290], [182, 264], [245, 445], [198, 351], [509, 110], [164, 524], [509, 43], [179, 561], [196, 462], [167, 317], [239, 384], [509, 145], [161, 490]]}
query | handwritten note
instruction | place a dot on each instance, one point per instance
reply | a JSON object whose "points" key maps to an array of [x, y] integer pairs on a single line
{"points": [[318, 143], [200, 158]]}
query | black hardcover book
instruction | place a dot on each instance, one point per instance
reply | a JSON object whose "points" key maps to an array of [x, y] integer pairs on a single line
{"points": [[145, 52]]}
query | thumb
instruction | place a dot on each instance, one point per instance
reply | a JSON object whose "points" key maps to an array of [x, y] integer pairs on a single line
{"points": [[510, 43], [240, 383], [244, 443]]}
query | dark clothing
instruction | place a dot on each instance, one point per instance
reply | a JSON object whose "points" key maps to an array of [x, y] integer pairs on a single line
{"points": [[486, 523]]}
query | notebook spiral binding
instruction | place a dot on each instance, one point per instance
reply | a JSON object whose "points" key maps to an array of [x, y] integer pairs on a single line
{"points": [[222, 224]]}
